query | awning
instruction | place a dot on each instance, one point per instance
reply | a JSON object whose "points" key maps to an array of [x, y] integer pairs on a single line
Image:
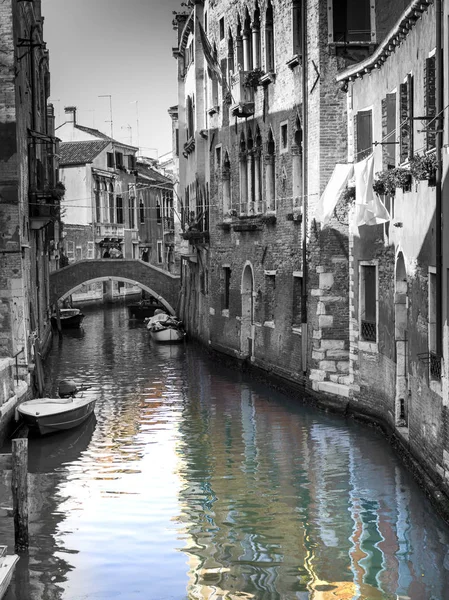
{"points": [[339, 179]]}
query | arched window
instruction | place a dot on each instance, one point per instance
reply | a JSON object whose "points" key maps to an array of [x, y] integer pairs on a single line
{"points": [[226, 178], [104, 202], [97, 194], [111, 204], [250, 173], [243, 175], [239, 44], [231, 67], [256, 39], [297, 27], [269, 39], [189, 118], [270, 173], [297, 165], [247, 45], [258, 171]]}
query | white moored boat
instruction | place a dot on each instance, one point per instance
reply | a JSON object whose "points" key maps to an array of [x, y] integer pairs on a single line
{"points": [[165, 328], [7, 566], [47, 415]]}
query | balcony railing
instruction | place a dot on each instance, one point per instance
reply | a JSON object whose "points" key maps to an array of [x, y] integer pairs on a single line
{"points": [[243, 95]]}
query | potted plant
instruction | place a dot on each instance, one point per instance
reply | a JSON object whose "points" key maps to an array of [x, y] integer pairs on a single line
{"points": [[252, 78], [423, 167]]}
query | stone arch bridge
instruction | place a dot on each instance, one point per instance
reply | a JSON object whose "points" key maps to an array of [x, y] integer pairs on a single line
{"points": [[163, 285]]}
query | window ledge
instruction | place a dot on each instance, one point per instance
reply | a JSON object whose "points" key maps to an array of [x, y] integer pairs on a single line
{"points": [[296, 330], [213, 110], [269, 324], [295, 61], [368, 347], [268, 78], [225, 312]]}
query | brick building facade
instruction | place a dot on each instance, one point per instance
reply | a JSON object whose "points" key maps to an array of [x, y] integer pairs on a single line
{"points": [[29, 190], [273, 96]]}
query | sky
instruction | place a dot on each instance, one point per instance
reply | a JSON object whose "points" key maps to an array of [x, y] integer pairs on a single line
{"points": [[121, 50]]}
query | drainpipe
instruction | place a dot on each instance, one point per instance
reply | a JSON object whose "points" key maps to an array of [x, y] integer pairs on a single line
{"points": [[439, 171], [304, 333]]}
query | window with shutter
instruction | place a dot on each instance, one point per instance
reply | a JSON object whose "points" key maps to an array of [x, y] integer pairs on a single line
{"points": [[430, 102], [364, 134]]}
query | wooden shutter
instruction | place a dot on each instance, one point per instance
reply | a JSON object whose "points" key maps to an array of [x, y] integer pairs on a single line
{"points": [[430, 101], [364, 134]]}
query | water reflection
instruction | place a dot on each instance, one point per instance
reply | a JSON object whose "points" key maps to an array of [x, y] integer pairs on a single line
{"points": [[196, 483]]}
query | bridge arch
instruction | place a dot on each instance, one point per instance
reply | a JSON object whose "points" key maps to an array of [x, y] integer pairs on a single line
{"points": [[159, 283]]}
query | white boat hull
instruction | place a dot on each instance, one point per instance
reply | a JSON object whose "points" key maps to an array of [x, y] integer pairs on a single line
{"points": [[169, 334], [47, 415], [7, 567]]}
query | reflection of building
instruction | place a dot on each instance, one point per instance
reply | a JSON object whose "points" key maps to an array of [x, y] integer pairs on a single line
{"points": [[29, 191]]}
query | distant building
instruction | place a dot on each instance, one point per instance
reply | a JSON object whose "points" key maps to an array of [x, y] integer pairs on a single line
{"points": [[99, 174]]}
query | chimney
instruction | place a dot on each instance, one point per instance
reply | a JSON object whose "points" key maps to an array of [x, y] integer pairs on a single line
{"points": [[70, 111]]}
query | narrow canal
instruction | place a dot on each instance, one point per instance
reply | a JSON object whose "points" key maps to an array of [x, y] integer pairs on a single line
{"points": [[193, 482]]}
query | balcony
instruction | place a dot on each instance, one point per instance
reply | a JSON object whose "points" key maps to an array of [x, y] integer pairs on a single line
{"points": [[45, 207], [243, 94], [110, 231]]}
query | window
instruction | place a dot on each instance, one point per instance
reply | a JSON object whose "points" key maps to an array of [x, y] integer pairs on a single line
{"points": [[430, 102], [97, 196], [158, 211], [110, 160], [350, 21], [90, 249], [142, 211], [368, 303], [434, 359], [297, 27], [230, 56], [79, 253], [226, 287], [177, 142], [297, 300], [111, 204], [363, 134], [243, 175], [270, 179], [218, 157], [269, 39], [71, 251], [270, 293], [406, 119], [190, 122], [132, 212], [389, 131], [284, 137], [131, 162], [222, 28], [119, 201], [160, 256], [119, 159]]}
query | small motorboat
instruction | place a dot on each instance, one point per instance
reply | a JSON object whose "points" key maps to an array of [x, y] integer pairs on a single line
{"points": [[71, 318], [165, 328], [7, 566], [48, 415], [144, 309]]}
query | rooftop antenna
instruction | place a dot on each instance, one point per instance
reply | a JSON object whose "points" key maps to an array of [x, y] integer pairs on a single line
{"points": [[136, 102], [110, 111]]}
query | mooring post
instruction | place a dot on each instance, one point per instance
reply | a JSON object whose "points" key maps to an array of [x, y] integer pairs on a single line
{"points": [[19, 486]]}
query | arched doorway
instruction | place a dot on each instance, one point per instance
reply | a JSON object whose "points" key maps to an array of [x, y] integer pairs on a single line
{"points": [[247, 322], [400, 336]]}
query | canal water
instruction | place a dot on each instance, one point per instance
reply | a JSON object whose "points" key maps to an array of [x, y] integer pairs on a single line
{"points": [[194, 482]]}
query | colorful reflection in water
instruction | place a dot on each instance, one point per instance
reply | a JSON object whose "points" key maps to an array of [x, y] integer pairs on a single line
{"points": [[193, 482]]}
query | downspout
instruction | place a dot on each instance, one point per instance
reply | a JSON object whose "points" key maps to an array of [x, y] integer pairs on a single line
{"points": [[304, 332], [439, 170]]}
